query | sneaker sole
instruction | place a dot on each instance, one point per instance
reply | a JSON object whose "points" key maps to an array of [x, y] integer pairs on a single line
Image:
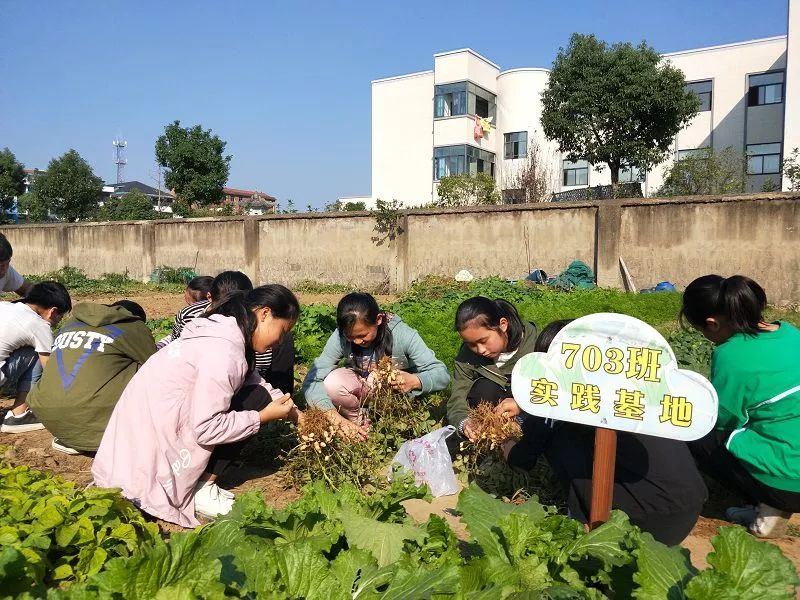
{"points": [[65, 450], [21, 428]]}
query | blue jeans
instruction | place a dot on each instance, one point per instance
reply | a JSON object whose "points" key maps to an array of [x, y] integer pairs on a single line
{"points": [[22, 369]]}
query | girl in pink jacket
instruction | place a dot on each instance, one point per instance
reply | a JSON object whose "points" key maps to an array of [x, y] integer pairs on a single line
{"points": [[188, 410]]}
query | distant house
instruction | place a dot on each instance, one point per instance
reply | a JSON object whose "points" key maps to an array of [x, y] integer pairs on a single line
{"points": [[162, 200], [14, 213], [250, 201]]}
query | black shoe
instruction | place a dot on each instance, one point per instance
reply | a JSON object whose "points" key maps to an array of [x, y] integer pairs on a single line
{"points": [[27, 421]]}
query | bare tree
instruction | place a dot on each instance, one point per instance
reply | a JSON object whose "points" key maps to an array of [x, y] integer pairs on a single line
{"points": [[531, 179]]}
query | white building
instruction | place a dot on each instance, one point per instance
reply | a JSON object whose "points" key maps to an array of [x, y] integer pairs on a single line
{"points": [[423, 124]]}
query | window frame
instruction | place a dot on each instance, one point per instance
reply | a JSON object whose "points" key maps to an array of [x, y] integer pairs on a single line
{"points": [[757, 94], [762, 156], [464, 160], [701, 153], [472, 92], [709, 93], [512, 143], [574, 170], [640, 175], [453, 91]]}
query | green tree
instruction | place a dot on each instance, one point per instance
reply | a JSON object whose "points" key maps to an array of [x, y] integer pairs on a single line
{"points": [[133, 206], [791, 170], [12, 181], [467, 190], [706, 172], [31, 204], [616, 105], [354, 206], [69, 189], [196, 168]]}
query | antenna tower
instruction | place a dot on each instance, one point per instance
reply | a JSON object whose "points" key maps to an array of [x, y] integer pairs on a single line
{"points": [[119, 159]]}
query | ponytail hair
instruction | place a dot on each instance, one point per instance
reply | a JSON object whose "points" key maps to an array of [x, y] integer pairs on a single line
{"points": [[738, 299], [225, 284], [360, 307], [241, 306], [487, 313]]}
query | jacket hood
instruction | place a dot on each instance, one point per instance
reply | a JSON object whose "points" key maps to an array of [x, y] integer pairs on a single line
{"points": [[97, 315], [394, 321], [215, 326]]}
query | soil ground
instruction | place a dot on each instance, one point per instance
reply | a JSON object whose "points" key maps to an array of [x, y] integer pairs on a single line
{"points": [[34, 449]]}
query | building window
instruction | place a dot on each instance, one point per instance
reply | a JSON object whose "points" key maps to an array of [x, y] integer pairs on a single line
{"points": [[630, 175], [703, 91], [516, 145], [461, 160], [450, 160], [766, 88], [576, 173], [450, 100], [692, 153], [763, 159], [463, 98]]}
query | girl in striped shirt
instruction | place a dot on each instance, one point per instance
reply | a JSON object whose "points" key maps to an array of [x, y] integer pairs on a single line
{"points": [[276, 365]]}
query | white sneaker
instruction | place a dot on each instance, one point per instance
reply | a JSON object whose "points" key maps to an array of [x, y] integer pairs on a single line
{"points": [[212, 501], [741, 515], [770, 522], [60, 446]]}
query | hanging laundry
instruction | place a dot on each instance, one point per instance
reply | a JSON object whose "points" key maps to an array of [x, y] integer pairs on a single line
{"points": [[477, 131], [486, 125]]}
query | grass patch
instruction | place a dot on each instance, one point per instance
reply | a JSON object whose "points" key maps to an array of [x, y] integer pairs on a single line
{"points": [[78, 284]]}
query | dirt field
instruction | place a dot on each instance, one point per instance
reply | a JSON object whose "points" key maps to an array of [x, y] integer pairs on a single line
{"points": [[158, 306], [34, 449]]}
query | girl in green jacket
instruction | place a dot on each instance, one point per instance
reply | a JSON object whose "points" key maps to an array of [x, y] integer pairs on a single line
{"points": [[755, 448], [494, 338]]}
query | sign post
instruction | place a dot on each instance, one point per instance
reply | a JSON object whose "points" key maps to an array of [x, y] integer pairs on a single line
{"points": [[605, 457], [615, 373]]}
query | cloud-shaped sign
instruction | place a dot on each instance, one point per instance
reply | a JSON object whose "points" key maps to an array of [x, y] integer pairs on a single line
{"points": [[614, 371]]}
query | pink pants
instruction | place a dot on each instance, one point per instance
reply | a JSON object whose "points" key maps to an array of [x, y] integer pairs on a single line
{"points": [[347, 391]]}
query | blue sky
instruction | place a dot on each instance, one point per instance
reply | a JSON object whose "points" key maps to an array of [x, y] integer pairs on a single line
{"points": [[286, 84]]}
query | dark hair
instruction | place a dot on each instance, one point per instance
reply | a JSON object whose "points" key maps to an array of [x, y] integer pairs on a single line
{"points": [[360, 307], [6, 251], [240, 305], [227, 283], [199, 287], [48, 294], [132, 307], [549, 333], [487, 313], [739, 299]]}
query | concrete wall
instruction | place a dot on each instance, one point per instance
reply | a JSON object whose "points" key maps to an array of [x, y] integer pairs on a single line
{"points": [[660, 239]]}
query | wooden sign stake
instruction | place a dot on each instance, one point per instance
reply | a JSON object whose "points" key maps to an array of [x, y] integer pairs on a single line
{"points": [[605, 458]]}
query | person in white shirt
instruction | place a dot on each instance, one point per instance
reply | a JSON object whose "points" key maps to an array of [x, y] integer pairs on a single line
{"points": [[10, 280], [26, 339]]}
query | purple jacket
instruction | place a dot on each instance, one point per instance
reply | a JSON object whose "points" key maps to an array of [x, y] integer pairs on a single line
{"points": [[171, 415]]}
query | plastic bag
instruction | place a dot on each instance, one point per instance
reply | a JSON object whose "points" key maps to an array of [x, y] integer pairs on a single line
{"points": [[429, 459]]}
